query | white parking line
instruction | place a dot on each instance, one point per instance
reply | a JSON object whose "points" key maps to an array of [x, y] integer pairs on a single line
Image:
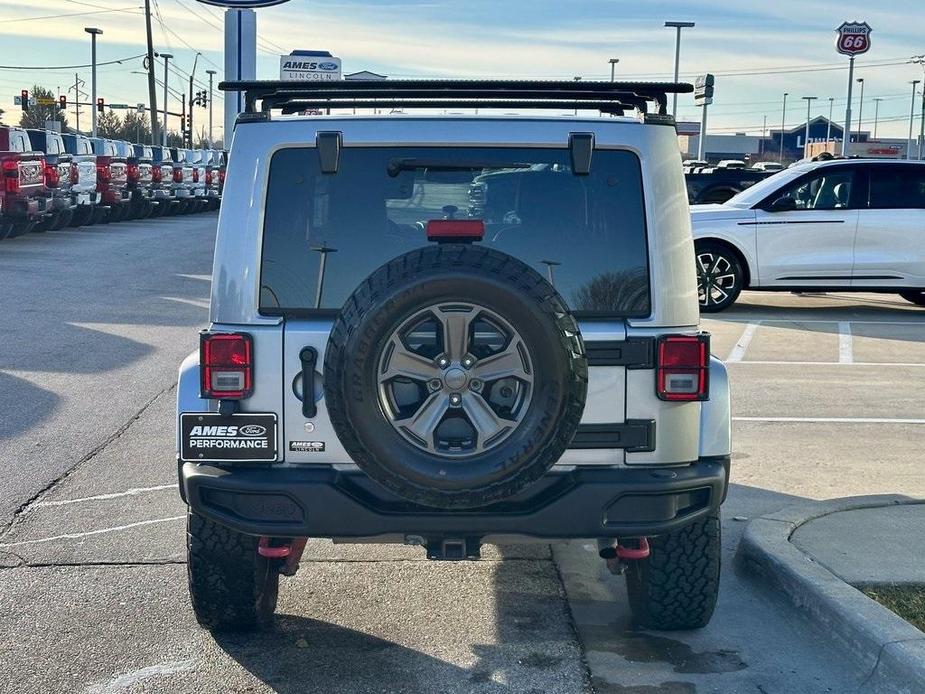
{"points": [[135, 491], [845, 355], [831, 363], [77, 536], [204, 278], [797, 319], [830, 420], [739, 350], [200, 303]]}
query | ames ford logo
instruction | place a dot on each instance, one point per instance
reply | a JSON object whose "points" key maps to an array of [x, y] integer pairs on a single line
{"points": [[243, 4], [853, 38], [252, 430]]}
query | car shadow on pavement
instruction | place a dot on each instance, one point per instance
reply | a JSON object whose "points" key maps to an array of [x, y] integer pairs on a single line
{"points": [[23, 405]]}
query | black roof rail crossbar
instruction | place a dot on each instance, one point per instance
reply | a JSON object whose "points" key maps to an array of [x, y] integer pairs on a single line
{"points": [[603, 106], [277, 94]]}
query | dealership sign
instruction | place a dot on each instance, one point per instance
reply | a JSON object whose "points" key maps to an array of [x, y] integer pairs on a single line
{"points": [[309, 66], [243, 4], [853, 38], [703, 89]]}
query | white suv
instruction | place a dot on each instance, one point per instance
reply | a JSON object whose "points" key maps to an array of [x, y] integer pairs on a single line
{"points": [[444, 331], [832, 225]]}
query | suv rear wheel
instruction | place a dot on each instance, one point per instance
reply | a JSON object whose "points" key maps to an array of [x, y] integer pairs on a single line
{"points": [[916, 296], [455, 376], [231, 586], [677, 585], [720, 277]]}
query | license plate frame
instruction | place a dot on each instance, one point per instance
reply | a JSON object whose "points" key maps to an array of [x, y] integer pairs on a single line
{"points": [[242, 444]]}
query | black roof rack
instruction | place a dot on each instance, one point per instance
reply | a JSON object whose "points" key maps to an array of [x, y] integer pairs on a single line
{"points": [[607, 97]]}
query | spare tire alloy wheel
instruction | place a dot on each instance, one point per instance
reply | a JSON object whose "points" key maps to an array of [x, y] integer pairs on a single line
{"points": [[455, 376], [469, 397], [719, 279]]}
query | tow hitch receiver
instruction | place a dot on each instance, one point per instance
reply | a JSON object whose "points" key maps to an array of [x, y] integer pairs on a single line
{"points": [[616, 555], [454, 549]]}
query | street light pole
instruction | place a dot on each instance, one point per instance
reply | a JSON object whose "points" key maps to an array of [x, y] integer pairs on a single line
{"points": [[192, 76], [847, 131], [577, 79], [809, 100], [211, 74], [914, 83], [860, 106], [94, 32], [613, 65], [166, 57], [828, 129], [677, 59], [877, 101], [783, 121]]}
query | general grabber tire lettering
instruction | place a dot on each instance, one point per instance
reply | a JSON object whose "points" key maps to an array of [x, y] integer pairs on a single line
{"points": [[231, 586], [435, 460], [677, 585]]}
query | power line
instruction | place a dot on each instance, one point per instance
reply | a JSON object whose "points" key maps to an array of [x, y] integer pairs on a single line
{"points": [[67, 67], [130, 10]]}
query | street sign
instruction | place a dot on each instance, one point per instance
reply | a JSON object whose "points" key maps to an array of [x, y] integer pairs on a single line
{"points": [[118, 105], [308, 66], [703, 89], [17, 101], [139, 109], [853, 38], [44, 100], [243, 4]]}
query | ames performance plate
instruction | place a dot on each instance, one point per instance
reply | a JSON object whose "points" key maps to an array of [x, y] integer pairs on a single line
{"points": [[211, 437]]}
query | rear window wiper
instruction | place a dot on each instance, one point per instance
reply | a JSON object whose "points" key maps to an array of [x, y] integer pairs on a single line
{"points": [[396, 166]]}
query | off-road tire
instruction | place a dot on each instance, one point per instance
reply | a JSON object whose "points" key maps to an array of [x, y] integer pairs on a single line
{"points": [[447, 273], [231, 586], [677, 585], [917, 297]]}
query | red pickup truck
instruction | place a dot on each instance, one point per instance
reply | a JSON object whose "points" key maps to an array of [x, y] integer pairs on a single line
{"points": [[25, 197]]}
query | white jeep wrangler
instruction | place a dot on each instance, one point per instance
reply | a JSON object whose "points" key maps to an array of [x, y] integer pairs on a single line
{"points": [[445, 331]]}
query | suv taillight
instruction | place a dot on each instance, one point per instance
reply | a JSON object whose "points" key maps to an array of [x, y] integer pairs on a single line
{"points": [[178, 175], [52, 177], [683, 367], [226, 365], [75, 174], [11, 174]]}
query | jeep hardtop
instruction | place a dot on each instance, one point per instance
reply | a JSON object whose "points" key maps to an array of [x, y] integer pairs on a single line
{"points": [[451, 330]]}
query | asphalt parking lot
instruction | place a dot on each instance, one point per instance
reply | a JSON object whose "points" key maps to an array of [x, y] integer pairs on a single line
{"points": [[827, 402]]}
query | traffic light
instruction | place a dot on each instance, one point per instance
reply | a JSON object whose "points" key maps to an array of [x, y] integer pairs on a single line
{"points": [[62, 102], [25, 99], [99, 104]]}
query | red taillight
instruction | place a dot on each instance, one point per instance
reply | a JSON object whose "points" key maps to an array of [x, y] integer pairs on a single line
{"points": [[52, 177], [209, 178], [226, 366], [11, 174], [131, 173], [178, 175], [103, 172], [683, 367], [155, 174], [455, 230], [221, 176], [195, 175], [75, 174]]}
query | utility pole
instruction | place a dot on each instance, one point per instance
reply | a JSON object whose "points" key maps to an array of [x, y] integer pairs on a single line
{"points": [[914, 83], [877, 101], [191, 76], [828, 129], [77, 102], [152, 92], [922, 125], [576, 78], [613, 65], [677, 60], [783, 121], [166, 57], [94, 32], [847, 130], [809, 101], [211, 74], [183, 121], [860, 81]]}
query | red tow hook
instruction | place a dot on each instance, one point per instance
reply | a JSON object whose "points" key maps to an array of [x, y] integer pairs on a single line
{"points": [[290, 550], [616, 555]]}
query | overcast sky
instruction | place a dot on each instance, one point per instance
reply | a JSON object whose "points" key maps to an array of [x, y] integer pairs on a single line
{"points": [[509, 38]]}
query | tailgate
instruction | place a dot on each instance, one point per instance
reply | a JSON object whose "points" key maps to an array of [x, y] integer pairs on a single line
{"points": [[31, 174], [86, 175], [119, 171]]}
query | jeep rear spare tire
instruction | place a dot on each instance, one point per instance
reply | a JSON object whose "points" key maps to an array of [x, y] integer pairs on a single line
{"points": [[455, 376]]}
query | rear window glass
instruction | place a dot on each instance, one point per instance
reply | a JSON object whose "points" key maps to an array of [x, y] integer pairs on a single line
{"points": [[585, 233]]}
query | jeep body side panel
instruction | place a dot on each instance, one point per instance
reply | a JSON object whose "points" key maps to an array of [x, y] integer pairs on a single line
{"points": [[715, 415]]}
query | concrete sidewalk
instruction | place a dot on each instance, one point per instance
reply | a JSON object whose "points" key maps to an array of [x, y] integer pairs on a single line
{"points": [[816, 553], [868, 546]]}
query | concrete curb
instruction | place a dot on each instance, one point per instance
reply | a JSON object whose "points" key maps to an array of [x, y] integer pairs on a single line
{"points": [[888, 647]]}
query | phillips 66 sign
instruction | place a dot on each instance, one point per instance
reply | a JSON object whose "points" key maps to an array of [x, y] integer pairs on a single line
{"points": [[243, 4], [853, 38]]}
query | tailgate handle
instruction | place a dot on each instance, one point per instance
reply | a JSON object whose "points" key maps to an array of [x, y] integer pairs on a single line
{"points": [[309, 357]]}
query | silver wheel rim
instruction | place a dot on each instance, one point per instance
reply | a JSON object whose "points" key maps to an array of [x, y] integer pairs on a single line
{"points": [[716, 279], [455, 379]]}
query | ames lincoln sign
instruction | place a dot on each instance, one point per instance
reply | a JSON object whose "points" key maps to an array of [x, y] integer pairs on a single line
{"points": [[308, 66]]}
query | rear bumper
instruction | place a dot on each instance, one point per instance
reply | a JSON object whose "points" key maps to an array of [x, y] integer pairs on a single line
{"points": [[320, 501]]}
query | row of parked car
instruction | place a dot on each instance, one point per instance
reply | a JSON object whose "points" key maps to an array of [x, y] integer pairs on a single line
{"points": [[52, 180]]}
